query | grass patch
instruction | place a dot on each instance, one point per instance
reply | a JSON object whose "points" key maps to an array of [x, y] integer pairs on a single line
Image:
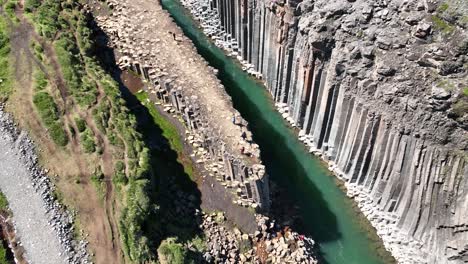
{"points": [[38, 50], [442, 25], [3, 250], [169, 130], [48, 112], [443, 7], [446, 85], [3, 202], [31, 5], [40, 80], [6, 86], [460, 108]]}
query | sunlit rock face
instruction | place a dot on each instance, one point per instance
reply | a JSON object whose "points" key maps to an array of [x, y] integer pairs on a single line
{"points": [[378, 89]]}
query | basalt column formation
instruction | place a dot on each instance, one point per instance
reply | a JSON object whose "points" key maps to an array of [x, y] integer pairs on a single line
{"points": [[221, 143], [376, 88]]}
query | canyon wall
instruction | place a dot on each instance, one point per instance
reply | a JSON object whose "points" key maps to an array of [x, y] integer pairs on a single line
{"points": [[379, 90]]}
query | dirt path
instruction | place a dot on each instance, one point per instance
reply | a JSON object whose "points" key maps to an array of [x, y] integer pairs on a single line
{"points": [[108, 171]]}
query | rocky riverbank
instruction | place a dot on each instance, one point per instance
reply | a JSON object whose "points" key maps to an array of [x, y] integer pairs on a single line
{"points": [[42, 224]]}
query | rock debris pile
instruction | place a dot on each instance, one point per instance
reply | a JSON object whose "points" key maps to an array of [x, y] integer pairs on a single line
{"points": [[270, 244], [379, 89], [43, 226]]}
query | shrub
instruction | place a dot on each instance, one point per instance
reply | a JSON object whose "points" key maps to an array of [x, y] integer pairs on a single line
{"points": [[172, 252], [119, 166], [199, 243], [80, 124], [31, 5], [120, 178], [57, 133], [132, 219], [87, 141], [10, 9], [97, 179]]}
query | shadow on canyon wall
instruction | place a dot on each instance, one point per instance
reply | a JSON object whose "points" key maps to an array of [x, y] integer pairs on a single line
{"points": [[171, 217]]}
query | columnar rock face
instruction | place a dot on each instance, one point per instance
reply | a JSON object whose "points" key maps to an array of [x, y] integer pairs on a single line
{"points": [[377, 89], [220, 139]]}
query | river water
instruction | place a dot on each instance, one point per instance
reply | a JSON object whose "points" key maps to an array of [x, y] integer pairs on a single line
{"points": [[341, 232]]}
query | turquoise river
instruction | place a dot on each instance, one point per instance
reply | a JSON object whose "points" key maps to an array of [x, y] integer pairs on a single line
{"points": [[330, 218]]}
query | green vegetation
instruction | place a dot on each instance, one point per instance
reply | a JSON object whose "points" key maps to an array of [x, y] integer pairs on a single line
{"points": [[244, 246], [6, 86], [169, 130], [46, 19], [170, 251], [30, 5], [97, 179], [101, 115], [9, 8], [87, 141], [82, 88], [442, 25], [48, 112], [38, 50], [446, 85], [443, 7], [3, 256], [63, 26], [83, 76], [460, 108], [40, 80], [80, 124], [3, 251], [465, 91], [199, 244], [3, 202]]}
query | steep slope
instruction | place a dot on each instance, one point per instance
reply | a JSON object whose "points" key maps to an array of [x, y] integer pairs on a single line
{"points": [[379, 90]]}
